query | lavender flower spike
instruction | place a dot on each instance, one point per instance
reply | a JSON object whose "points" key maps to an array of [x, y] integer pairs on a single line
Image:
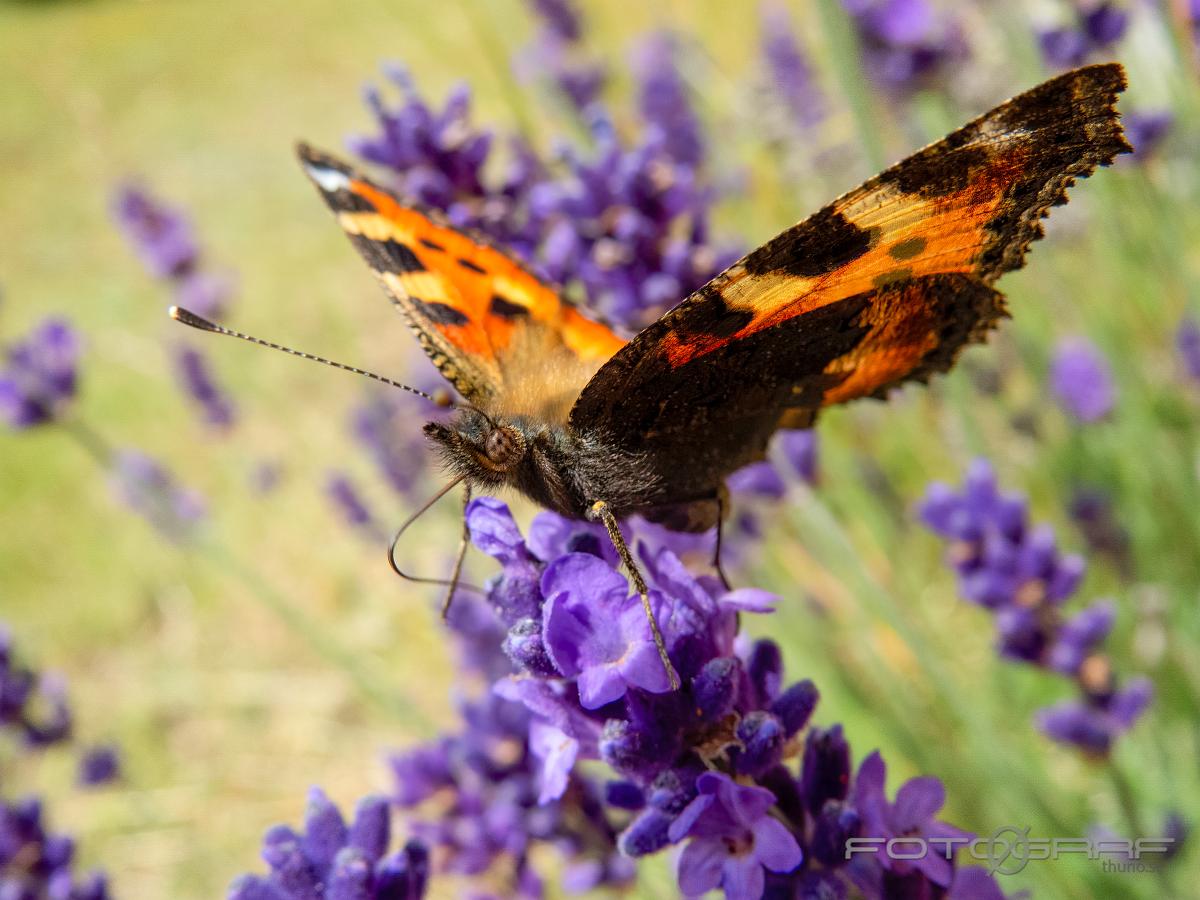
{"points": [[39, 376], [151, 490], [1082, 381]]}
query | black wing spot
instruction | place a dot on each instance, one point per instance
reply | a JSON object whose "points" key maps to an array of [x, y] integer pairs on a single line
{"points": [[388, 256], [907, 249], [470, 266], [709, 314], [815, 247], [506, 309], [432, 245], [937, 172], [439, 313], [343, 200]]}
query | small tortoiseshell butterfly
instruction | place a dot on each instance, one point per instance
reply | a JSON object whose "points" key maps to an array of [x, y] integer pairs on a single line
{"points": [[884, 285]]}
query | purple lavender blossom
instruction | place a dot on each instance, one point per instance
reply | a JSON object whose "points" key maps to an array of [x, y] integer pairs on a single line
{"points": [[196, 377], [349, 502], [1014, 569], [905, 43], [150, 490], [1092, 512], [1081, 380], [1187, 342], [39, 376], [733, 839], [99, 765], [337, 861], [1095, 722], [161, 236], [1097, 27], [665, 102], [791, 75], [1147, 130], [596, 632], [384, 424], [558, 52], [800, 449], [911, 814], [33, 707], [35, 862]]}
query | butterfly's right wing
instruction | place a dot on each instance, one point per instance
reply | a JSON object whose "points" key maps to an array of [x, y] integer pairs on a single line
{"points": [[884, 285], [503, 337]]}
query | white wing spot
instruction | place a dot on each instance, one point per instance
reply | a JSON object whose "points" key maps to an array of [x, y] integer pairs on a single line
{"points": [[330, 180]]}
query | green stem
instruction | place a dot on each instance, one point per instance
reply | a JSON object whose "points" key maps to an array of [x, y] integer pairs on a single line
{"points": [[847, 60]]}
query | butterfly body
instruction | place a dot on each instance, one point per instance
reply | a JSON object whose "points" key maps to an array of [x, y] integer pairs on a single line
{"points": [[883, 286]]}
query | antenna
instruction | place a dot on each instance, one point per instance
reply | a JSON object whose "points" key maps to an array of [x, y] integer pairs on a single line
{"points": [[187, 317]]}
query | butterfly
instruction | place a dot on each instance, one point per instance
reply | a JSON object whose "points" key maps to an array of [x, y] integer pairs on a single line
{"points": [[883, 286]]}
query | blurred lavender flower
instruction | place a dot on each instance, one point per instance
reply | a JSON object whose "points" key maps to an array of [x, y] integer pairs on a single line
{"points": [[799, 448], [1013, 568], [558, 52], [196, 376], [1081, 380], [905, 43], [1147, 130], [665, 102], [1187, 342], [334, 860], [1097, 27], [350, 504], [630, 226], [791, 76], [165, 242], [35, 863], [150, 490], [33, 707], [99, 765], [386, 425], [39, 377], [162, 237]]}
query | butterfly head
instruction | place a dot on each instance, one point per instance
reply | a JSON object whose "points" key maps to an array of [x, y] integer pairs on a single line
{"points": [[485, 449]]}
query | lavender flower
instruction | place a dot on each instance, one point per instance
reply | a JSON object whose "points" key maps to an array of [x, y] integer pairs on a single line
{"points": [[1097, 27], [791, 76], [35, 862], [558, 52], [1187, 342], [905, 44], [39, 376], [196, 377], [1014, 569], [1081, 380], [33, 707], [350, 504], [164, 240], [383, 424], [510, 779], [733, 839], [161, 236], [665, 102], [1147, 130], [799, 448], [335, 860], [151, 490], [99, 765]]}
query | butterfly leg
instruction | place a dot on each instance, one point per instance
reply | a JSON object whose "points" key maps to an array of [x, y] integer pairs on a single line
{"points": [[721, 498], [460, 556], [601, 511]]}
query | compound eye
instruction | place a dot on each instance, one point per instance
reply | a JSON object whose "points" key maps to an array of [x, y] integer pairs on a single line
{"points": [[504, 447]]}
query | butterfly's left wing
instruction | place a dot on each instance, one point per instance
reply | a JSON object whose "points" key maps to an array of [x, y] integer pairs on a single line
{"points": [[884, 285]]}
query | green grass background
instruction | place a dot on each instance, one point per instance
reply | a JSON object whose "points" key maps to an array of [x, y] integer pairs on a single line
{"points": [[226, 713]]}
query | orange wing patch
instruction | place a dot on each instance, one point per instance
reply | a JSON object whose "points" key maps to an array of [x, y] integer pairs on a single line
{"points": [[475, 310], [969, 204]]}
